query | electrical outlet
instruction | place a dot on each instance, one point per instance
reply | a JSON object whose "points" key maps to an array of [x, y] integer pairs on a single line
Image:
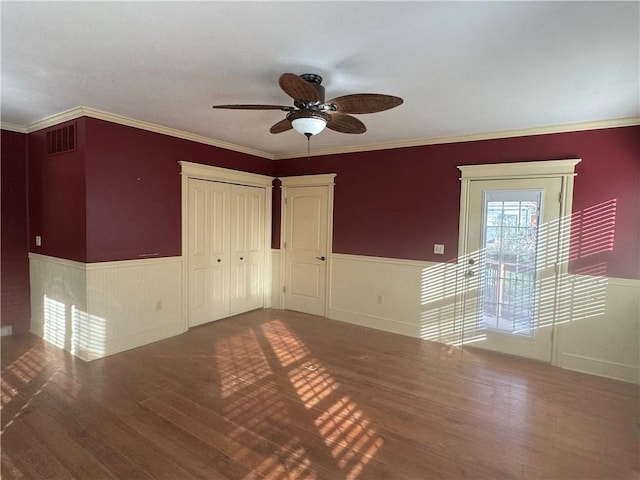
{"points": [[38, 241], [438, 249], [158, 305], [379, 299]]}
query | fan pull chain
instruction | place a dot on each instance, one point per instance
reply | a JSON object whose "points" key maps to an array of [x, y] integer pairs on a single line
{"points": [[308, 135]]}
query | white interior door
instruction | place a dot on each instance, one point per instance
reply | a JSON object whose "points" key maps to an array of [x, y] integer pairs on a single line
{"points": [[247, 248], [305, 248], [207, 251], [510, 265]]}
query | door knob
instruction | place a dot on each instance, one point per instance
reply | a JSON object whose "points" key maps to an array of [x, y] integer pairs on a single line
{"points": [[470, 273], [321, 258], [241, 258], [219, 260]]}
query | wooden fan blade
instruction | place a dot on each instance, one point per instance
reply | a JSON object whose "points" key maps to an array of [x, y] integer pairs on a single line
{"points": [[298, 88], [345, 124], [284, 108], [281, 126], [365, 103]]}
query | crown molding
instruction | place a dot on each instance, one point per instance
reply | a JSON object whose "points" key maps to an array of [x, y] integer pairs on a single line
{"points": [[56, 119], [78, 112], [13, 128], [81, 111], [524, 132]]}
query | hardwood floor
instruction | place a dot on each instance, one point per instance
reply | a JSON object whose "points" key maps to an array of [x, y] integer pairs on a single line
{"points": [[282, 395]]}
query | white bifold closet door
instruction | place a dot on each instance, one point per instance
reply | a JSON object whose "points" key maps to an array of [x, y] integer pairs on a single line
{"points": [[225, 253]]}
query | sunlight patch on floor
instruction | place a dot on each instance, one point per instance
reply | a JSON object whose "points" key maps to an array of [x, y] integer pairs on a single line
{"points": [[21, 372], [240, 360], [343, 426], [17, 376]]}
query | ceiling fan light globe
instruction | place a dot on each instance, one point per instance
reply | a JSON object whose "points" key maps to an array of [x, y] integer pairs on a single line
{"points": [[308, 125]]}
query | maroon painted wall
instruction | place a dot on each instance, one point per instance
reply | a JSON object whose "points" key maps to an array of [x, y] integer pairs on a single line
{"points": [[397, 203], [117, 197], [133, 189], [15, 307], [57, 197]]}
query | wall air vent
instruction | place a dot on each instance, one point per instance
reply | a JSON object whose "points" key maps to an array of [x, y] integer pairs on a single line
{"points": [[61, 140]]}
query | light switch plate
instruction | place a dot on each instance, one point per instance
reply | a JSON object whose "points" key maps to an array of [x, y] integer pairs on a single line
{"points": [[438, 249]]}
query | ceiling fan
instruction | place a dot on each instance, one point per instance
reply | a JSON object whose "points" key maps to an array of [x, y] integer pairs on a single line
{"points": [[310, 114]]}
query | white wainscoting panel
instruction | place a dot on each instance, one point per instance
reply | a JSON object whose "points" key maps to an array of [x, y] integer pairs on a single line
{"points": [[599, 326], [400, 296], [598, 330], [137, 301], [94, 310], [276, 281], [58, 293]]}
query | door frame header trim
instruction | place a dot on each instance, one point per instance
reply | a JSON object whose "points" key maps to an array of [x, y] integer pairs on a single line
{"points": [[499, 171], [308, 180], [219, 174]]}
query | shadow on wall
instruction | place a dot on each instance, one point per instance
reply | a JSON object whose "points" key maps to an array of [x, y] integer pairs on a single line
{"points": [[513, 296]]}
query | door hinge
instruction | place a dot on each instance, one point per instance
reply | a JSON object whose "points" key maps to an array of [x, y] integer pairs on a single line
{"points": [[284, 244], [560, 197], [285, 200], [284, 289]]}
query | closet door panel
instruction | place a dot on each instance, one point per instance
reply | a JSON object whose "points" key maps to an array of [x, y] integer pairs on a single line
{"points": [[219, 222], [255, 247], [225, 254], [208, 251], [219, 258], [247, 227]]}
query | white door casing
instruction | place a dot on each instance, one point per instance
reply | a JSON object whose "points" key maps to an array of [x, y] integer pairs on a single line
{"points": [[235, 228], [307, 219], [554, 179]]}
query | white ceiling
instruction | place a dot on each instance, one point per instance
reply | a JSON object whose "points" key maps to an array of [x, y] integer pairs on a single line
{"points": [[463, 68]]}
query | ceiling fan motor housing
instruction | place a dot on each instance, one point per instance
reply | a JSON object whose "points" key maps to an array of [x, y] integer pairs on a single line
{"points": [[315, 81], [308, 114]]}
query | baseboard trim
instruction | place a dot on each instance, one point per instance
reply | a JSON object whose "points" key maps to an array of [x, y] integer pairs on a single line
{"points": [[601, 368], [138, 339], [373, 321]]}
